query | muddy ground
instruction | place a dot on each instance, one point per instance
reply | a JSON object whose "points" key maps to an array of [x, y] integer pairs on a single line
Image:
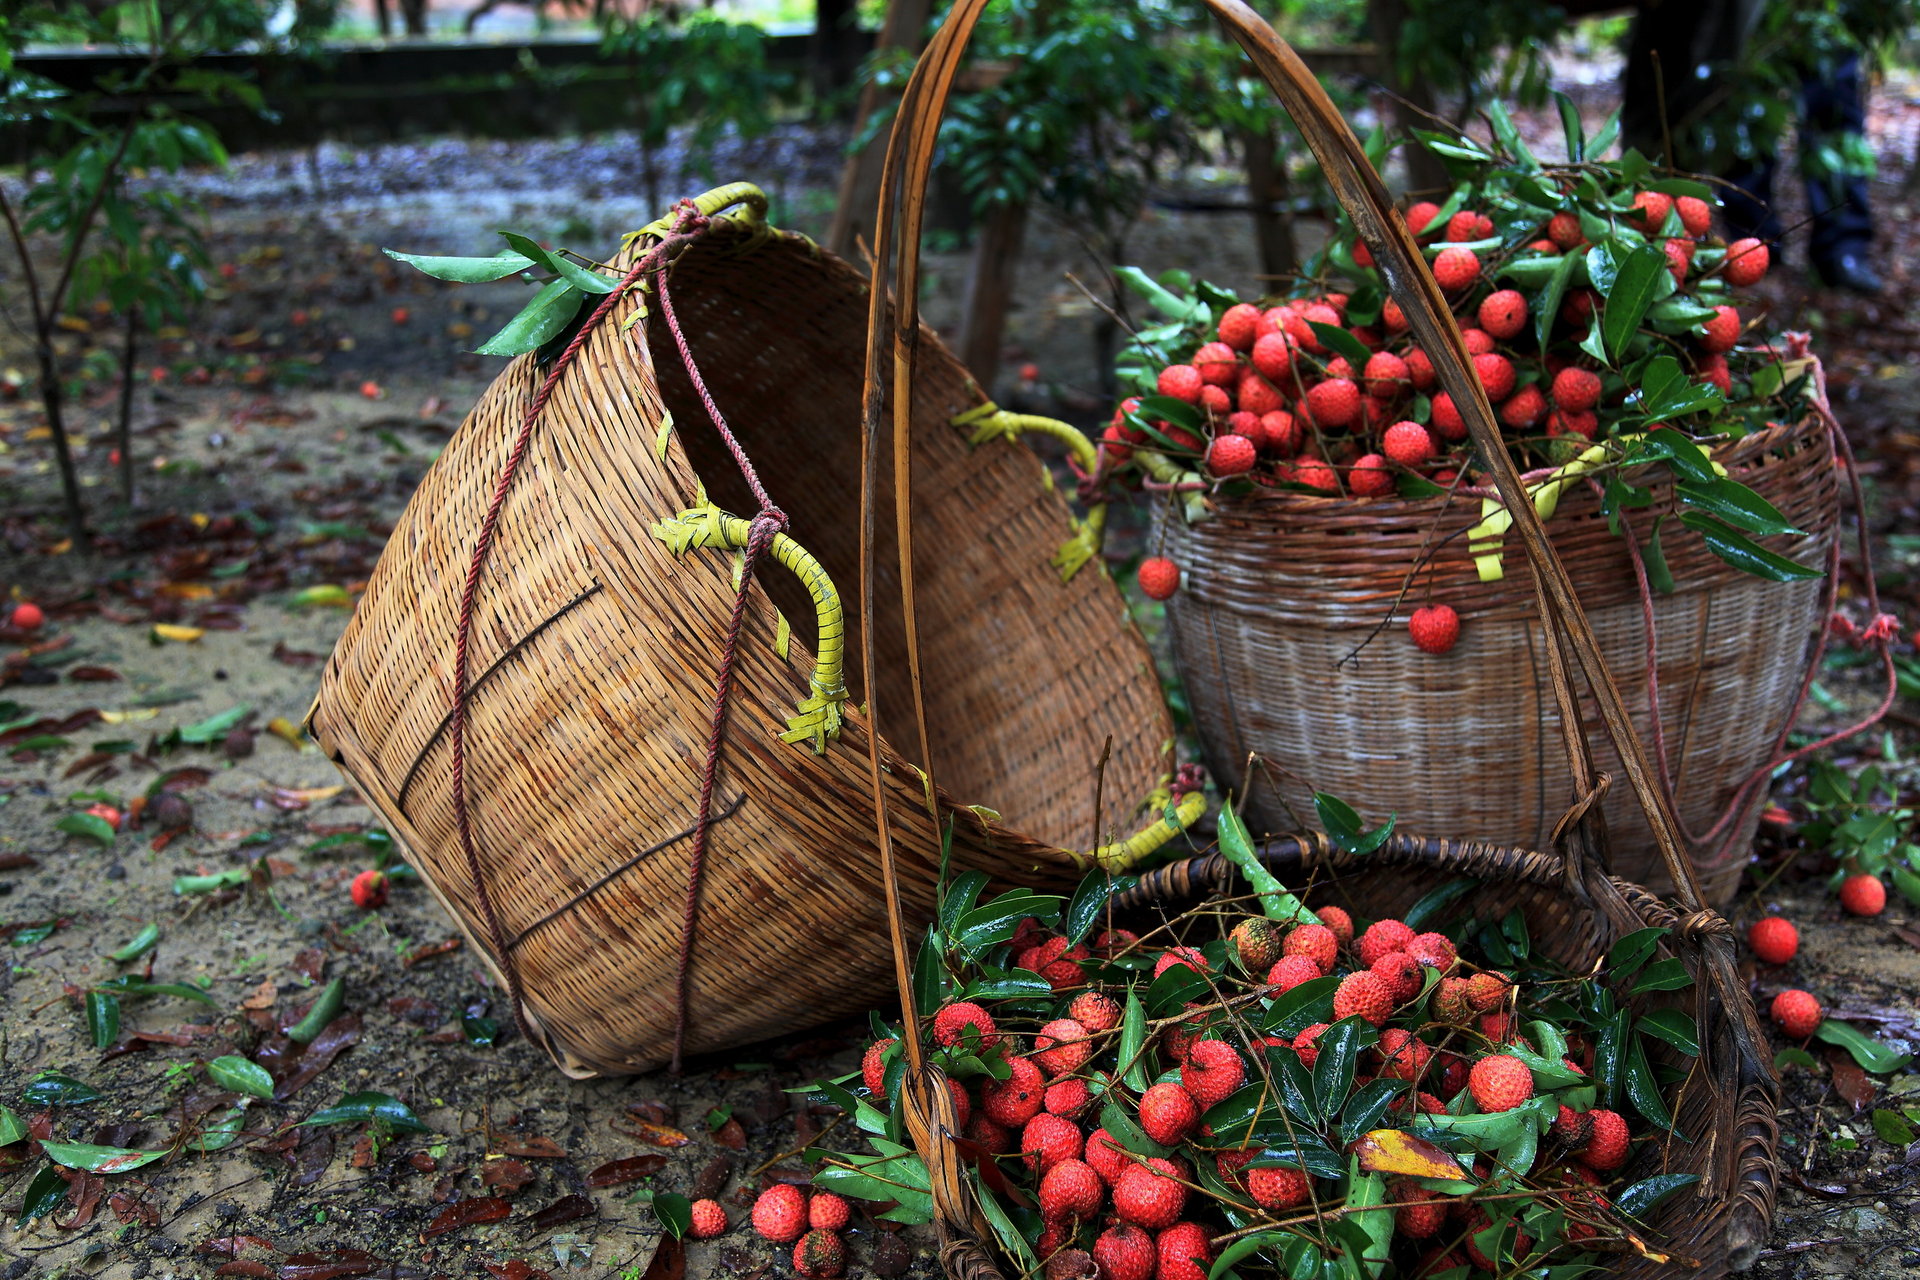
{"points": [[277, 441]]}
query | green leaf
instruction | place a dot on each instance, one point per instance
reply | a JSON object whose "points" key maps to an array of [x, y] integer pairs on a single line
{"points": [[550, 311], [129, 985], [223, 1132], [1364, 1110], [1167, 303], [1643, 1090], [1907, 883], [1298, 1008], [1301, 1151], [1126, 1134], [1333, 1066], [1342, 343], [88, 826], [138, 945], [103, 1018], [1670, 974], [1508, 135], [51, 1089], [959, 898], [1000, 984], [103, 1160], [1794, 1056], [1892, 1128], [1592, 344], [1133, 1037], [582, 279], [1634, 288], [930, 973], [1344, 827], [11, 1129], [1625, 956], [1646, 1193], [214, 727], [1659, 576], [464, 270], [992, 923], [673, 1212], [43, 1195], [1738, 505], [1089, 899], [1245, 1247], [1676, 1027], [230, 878], [368, 1107], [231, 1071], [1870, 1054], [1743, 553], [1570, 124], [1667, 392], [1236, 845], [1609, 1057], [1546, 307], [1009, 1235], [1435, 901]]}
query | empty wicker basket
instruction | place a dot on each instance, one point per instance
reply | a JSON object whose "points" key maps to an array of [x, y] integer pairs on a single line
{"points": [[596, 647]]}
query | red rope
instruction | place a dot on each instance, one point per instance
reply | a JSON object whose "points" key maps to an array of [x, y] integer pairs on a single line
{"points": [[769, 521], [689, 227]]}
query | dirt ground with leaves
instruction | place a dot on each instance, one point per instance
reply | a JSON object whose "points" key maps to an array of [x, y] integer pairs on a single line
{"points": [[276, 444]]}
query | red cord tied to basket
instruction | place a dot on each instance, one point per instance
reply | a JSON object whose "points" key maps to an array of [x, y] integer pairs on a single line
{"points": [[689, 224]]}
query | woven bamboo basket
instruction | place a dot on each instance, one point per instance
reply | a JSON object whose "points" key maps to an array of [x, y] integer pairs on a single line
{"points": [[596, 642], [1728, 1109], [1274, 632]]}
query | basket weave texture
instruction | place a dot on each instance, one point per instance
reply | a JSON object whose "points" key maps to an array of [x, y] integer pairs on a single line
{"points": [[1280, 591], [1727, 1105], [595, 653]]}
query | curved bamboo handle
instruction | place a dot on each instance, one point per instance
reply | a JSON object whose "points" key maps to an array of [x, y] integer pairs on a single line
{"points": [[990, 422], [818, 715]]}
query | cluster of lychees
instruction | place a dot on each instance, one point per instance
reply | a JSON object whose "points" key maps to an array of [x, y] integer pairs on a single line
{"points": [[1274, 402], [811, 1221], [1139, 1186]]}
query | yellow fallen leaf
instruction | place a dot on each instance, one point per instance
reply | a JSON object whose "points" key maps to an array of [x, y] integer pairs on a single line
{"points": [[187, 591], [327, 594], [311, 795], [281, 727], [1397, 1151], [200, 520], [163, 631], [129, 717]]}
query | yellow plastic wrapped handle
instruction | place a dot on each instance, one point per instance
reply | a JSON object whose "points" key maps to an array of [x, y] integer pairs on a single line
{"points": [[990, 422], [1174, 818], [818, 717]]}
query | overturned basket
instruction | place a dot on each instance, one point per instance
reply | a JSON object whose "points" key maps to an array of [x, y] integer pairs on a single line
{"points": [[600, 586], [1284, 591], [1728, 1109]]}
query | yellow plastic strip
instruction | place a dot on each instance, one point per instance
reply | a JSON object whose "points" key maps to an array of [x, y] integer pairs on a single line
{"points": [[1173, 819], [990, 422]]}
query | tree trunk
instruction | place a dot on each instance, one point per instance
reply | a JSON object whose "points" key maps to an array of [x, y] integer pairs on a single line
{"points": [[983, 322], [859, 198], [50, 397], [1413, 103], [1272, 204], [834, 56], [124, 434]]}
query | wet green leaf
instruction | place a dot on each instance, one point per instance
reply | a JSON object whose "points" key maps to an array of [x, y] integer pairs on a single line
{"points": [[367, 1107], [1674, 1026], [1869, 1053], [464, 270], [550, 311], [1133, 1037], [222, 1132], [51, 1089], [1089, 901], [103, 1018], [1648, 1192], [1744, 554], [43, 1196], [102, 1160], [87, 826], [1670, 974], [1344, 827], [673, 1212], [214, 728], [1892, 1128], [138, 945], [11, 1128], [231, 1071]]}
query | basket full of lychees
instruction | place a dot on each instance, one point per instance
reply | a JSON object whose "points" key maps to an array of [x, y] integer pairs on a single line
{"points": [[1482, 1076], [1334, 557]]}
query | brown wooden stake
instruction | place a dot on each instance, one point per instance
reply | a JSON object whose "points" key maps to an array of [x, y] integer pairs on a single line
{"points": [[983, 324], [1270, 195]]}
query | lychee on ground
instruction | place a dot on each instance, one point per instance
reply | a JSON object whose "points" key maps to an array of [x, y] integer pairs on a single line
{"points": [[1797, 1013], [780, 1213]]}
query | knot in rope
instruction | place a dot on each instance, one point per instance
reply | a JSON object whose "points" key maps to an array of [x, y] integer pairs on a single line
{"points": [[690, 221], [761, 530]]}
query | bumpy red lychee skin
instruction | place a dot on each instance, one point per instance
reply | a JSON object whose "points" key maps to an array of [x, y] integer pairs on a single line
{"points": [[1746, 262], [1106, 1156], [1564, 230], [1273, 355], [780, 1213], [1012, 1102], [1211, 1072], [873, 1067], [1456, 269], [1182, 382], [1386, 374], [1334, 403], [1420, 215], [1095, 1010], [1863, 895], [1468, 225], [1575, 1128], [1402, 974], [1487, 991], [1365, 995], [1696, 215], [1435, 950], [1650, 210], [1370, 477], [1450, 1002], [1773, 939], [1061, 1047], [1125, 1252], [1188, 956], [1444, 417], [1722, 333], [1576, 389], [1241, 326], [1797, 1013], [1478, 341], [1503, 313], [1278, 1188], [1148, 1196], [1408, 443], [1500, 1082], [1184, 1252], [1403, 1056], [1217, 364], [1159, 578], [1068, 1098], [1217, 401], [1257, 942], [1071, 1189], [1713, 371], [709, 1220], [1497, 1027], [1435, 628], [1231, 455], [1606, 1149], [1314, 941], [1289, 972], [1421, 1213], [1168, 1114], [819, 1255], [994, 1139], [1257, 396], [1524, 410], [827, 1211], [1336, 919], [1381, 937], [1048, 1139], [951, 1023], [1496, 375], [1304, 1044], [1315, 474]]}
